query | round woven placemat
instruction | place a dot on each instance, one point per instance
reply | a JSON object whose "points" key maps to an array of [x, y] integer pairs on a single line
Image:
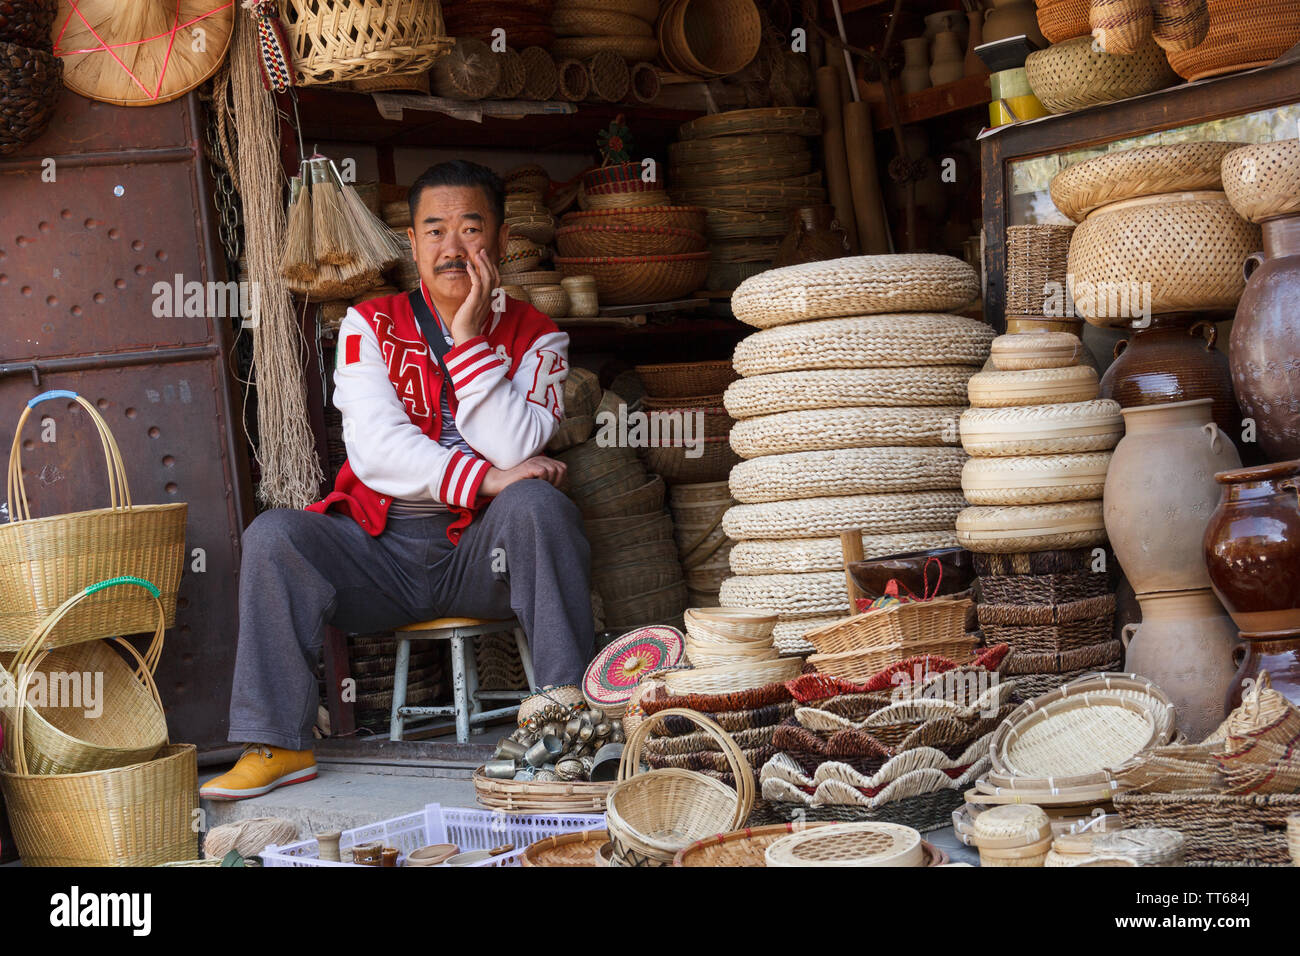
{"points": [[823, 554], [830, 428], [1035, 479], [1072, 524], [855, 285], [876, 341], [847, 471], [1042, 429], [847, 387], [818, 592], [1040, 386], [820, 517]]}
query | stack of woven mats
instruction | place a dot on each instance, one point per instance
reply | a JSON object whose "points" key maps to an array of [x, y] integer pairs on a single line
{"points": [[847, 418], [892, 749]]}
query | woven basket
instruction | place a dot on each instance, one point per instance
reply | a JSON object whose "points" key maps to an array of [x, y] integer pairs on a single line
{"points": [[550, 300], [1143, 240], [686, 378], [739, 224], [592, 240], [710, 37], [1069, 524], [1218, 829], [470, 71], [723, 149], [689, 218], [525, 22], [337, 40], [639, 199], [1035, 479], [44, 561], [852, 471], [730, 678], [1074, 75], [30, 83], [833, 428], [630, 530], [1243, 34], [1042, 429], [812, 593], [1036, 259], [631, 49], [517, 796], [574, 81], [819, 517], [541, 78], [1061, 20], [139, 815], [1179, 25], [752, 169], [1120, 26], [796, 121], [567, 849], [610, 78], [1040, 386], [511, 76], [1077, 560], [628, 280], [857, 285], [863, 663], [823, 554], [712, 460], [840, 388], [647, 498], [653, 815], [28, 23], [1263, 181], [896, 626]]}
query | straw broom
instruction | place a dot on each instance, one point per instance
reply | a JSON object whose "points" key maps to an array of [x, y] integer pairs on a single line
{"points": [[333, 242], [298, 265]]}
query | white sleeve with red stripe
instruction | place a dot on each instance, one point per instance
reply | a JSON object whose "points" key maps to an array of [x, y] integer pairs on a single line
{"points": [[387, 451], [508, 420]]}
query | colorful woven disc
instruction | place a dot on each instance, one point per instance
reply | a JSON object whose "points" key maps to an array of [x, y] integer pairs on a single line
{"points": [[611, 677]]}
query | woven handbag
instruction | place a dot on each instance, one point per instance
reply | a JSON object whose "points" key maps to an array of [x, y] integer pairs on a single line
{"points": [[44, 561]]}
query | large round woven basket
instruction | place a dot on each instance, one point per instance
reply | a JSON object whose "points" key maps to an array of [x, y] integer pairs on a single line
{"points": [[749, 169], [1074, 75], [541, 78], [576, 21], [30, 83], [690, 218], [1062, 20], [710, 37], [1243, 34], [338, 40], [1263, 181], [850, 471], [821, 517], [599, 240], [629, 280]]}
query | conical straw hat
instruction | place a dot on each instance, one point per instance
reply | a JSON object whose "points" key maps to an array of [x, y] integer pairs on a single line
{"points": [[143, 52]]}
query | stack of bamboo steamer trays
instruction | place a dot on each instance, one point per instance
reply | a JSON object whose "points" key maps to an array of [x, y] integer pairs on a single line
{"points": [[703, 546], [847, 418], [719, 637], [527, 214], [1013, 835], [748, 168]]}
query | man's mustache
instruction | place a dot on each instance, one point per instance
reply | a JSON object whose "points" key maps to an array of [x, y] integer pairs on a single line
{"points": [[457, 266]]}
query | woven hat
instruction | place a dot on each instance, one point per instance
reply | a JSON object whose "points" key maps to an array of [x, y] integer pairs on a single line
{"points": [[849, 471], [824, 554], [829, 428], [144, 52], [820, 517], [841, 388], [876, 341], [855, 285]]}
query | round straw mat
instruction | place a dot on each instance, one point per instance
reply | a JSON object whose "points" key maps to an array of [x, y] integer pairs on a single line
{"points": [[855, 285], [798, 555], [1042, 429], [847, 387], [1012, 529], [822, 592], [1148, 171], [819, 517], [788, 634], [1039, 386], [829, 428], [877, 341], [1035, 479], [846, 471]]}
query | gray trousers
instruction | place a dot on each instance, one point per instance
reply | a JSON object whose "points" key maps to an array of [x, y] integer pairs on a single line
{"points": [[524, 555]]}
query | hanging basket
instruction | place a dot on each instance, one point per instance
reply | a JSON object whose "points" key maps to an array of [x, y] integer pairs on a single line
{"points": [[338, 40]]}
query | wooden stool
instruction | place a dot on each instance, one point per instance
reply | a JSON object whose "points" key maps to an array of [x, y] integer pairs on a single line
{"points": [[466, 697]]}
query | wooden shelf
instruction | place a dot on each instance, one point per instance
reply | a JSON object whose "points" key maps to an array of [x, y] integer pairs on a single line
{"points": [[965, 94]]}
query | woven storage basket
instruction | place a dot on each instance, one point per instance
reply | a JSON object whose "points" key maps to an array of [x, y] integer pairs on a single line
{"points": [[857, 285], [899, 625], [1263, 181], [30, 83], [691, 218], [679, 464], [552, 301], [1028, 350], [45, 561], [574, 80], [628, 280], [1061, 20], [1120, 26], [710, 37], [831, 428], [864, 663], [541, 79], [647, 498], [337, 40], [812, 593], [852, 471], [511, 76], [1147, 171], [819, 517], [757, 197], [1036, 259], [724, 148], [609, 76], [1243, 34], [1045, 386], [1042, 429], [1080, 560], [652, 815], [1137, 241], [730, 678], [644, 83], [823, 554], [1043, 588], [470, 71], [1093, 656], [587, 22], [517, 796], [566, 849], [1074, 75], [1180, 24], [630, 530], [1219, 830], [1035, 479], [796, 121], [1070, 524], [598, 240], [878, 341], [840, 388], [139, 815]]}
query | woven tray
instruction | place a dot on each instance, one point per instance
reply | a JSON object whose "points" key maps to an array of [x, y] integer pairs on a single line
{"points": [[722, 148], [1035, 479], [519, 796], [1042, 429], [841, 388], [859, 285], [567, 849], [1046, 386], [820, 517], [823, 554], [843, 428], [791, 120], [1263, 181], [852, 471], [1074, 75], [881, 341]]}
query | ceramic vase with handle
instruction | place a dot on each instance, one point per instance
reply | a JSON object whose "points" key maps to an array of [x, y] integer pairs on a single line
{"points": [[1160, 493], [1279, 657], [1010, 18], [1185, 645], [1252, 547], [916, 67], [949, 62], [975, 33]]}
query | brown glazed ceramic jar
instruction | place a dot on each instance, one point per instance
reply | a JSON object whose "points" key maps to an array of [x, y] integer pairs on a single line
{"points": [[815, 236], [1252, 547], [1174, 360], [1278, 655], [1265, 351]]}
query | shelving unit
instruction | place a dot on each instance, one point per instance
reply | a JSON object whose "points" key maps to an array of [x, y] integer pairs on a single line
{"points": [[968, 93]]}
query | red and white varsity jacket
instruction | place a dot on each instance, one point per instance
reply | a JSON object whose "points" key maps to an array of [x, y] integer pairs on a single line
{"points": [[507, 398]]}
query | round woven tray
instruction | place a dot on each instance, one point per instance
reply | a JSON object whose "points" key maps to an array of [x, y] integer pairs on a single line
{"points": [[833, 428], [878, 341], [1141, 241], [840, 388], [858, 285], [527, 796], [849, 844], [1042, 429], [1071, 524], [1045, 386], [1035, 479], [820, 517], [1036, 350], [1243, 34], [823, 554], [724, 148], [567, 849], [1074, 75], [1263, 181], [589, 22], [614, 672], [849, 471], [797, 121]]}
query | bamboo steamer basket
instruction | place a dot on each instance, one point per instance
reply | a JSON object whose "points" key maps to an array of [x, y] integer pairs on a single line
{"points": [[1074, 75], [1013, 835], [849, 844], [1263, 181]]}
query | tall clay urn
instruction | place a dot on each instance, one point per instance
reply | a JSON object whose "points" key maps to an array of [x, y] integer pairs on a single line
{"points": [[1160, 493]]}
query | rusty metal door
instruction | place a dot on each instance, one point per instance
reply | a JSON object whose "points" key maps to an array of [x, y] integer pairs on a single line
{"points": [[107, 205]]}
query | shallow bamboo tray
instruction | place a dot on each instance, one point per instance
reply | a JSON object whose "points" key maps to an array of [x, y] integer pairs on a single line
{"points": [[528, 796]]}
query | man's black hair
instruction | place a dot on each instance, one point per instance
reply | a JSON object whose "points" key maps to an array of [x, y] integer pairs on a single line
{"points": [[460, 172]]}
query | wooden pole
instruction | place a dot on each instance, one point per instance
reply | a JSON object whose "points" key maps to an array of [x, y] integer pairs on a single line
{"points": [[850, 551], [868, 204], [837, 163]]}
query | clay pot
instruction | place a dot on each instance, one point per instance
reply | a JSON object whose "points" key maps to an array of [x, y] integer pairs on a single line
{"points": [[1174, 360], [1010, 18], [948, 60], [1278, 655], [815, 235], [1160, 493], [974, 66], [1185, 645], [916, 69], [945, 20], [1265, 350], [1252, 546]]}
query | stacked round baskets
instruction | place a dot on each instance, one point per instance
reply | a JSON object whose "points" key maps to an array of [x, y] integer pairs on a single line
{"points": [[526, 23], [688, 427], [748, 168], [703, 546], [847, 419], [30, 76], [587, 29]]}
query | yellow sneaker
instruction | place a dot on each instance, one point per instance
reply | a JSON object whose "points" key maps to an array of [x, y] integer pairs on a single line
{"points": [[260, 769]]}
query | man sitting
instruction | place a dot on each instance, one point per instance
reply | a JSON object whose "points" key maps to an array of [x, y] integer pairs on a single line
{"points": [[445, 505]]}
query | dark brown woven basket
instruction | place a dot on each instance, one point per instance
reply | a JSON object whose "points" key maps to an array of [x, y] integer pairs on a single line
{"points": [[541, 77], [610, 78], [1061, 588], [1035, 562], [512, 77], [644, 85], [575, 82], [929, 811], [1219, 830], [1049, 628], [28, 23], [1029, 686], [685, 379], [30, 82], [470, 71], [732, 721], [1095, 657]]}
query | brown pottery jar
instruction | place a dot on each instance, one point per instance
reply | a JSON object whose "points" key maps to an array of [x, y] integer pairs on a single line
{"points": [[1252, 547], [1265, 350], [1276, 654]]}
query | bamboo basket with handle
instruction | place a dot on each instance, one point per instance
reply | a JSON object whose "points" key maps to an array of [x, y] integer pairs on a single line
{"points": [[44, 561], [131, 727]]}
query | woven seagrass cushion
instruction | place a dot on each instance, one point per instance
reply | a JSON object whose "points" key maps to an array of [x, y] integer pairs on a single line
{"points": [[820, 517], [1042, 429], [876, 341], [824, 554], [847, 387], [847, 471], [830, 428], [816, 592], [855, 285]]}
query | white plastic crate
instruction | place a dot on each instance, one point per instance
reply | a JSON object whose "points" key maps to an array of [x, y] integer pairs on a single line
{"points": [[466, 827]]}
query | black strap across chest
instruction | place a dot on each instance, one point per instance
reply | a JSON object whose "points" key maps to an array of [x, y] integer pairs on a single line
{"points": [[432, 330]]}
